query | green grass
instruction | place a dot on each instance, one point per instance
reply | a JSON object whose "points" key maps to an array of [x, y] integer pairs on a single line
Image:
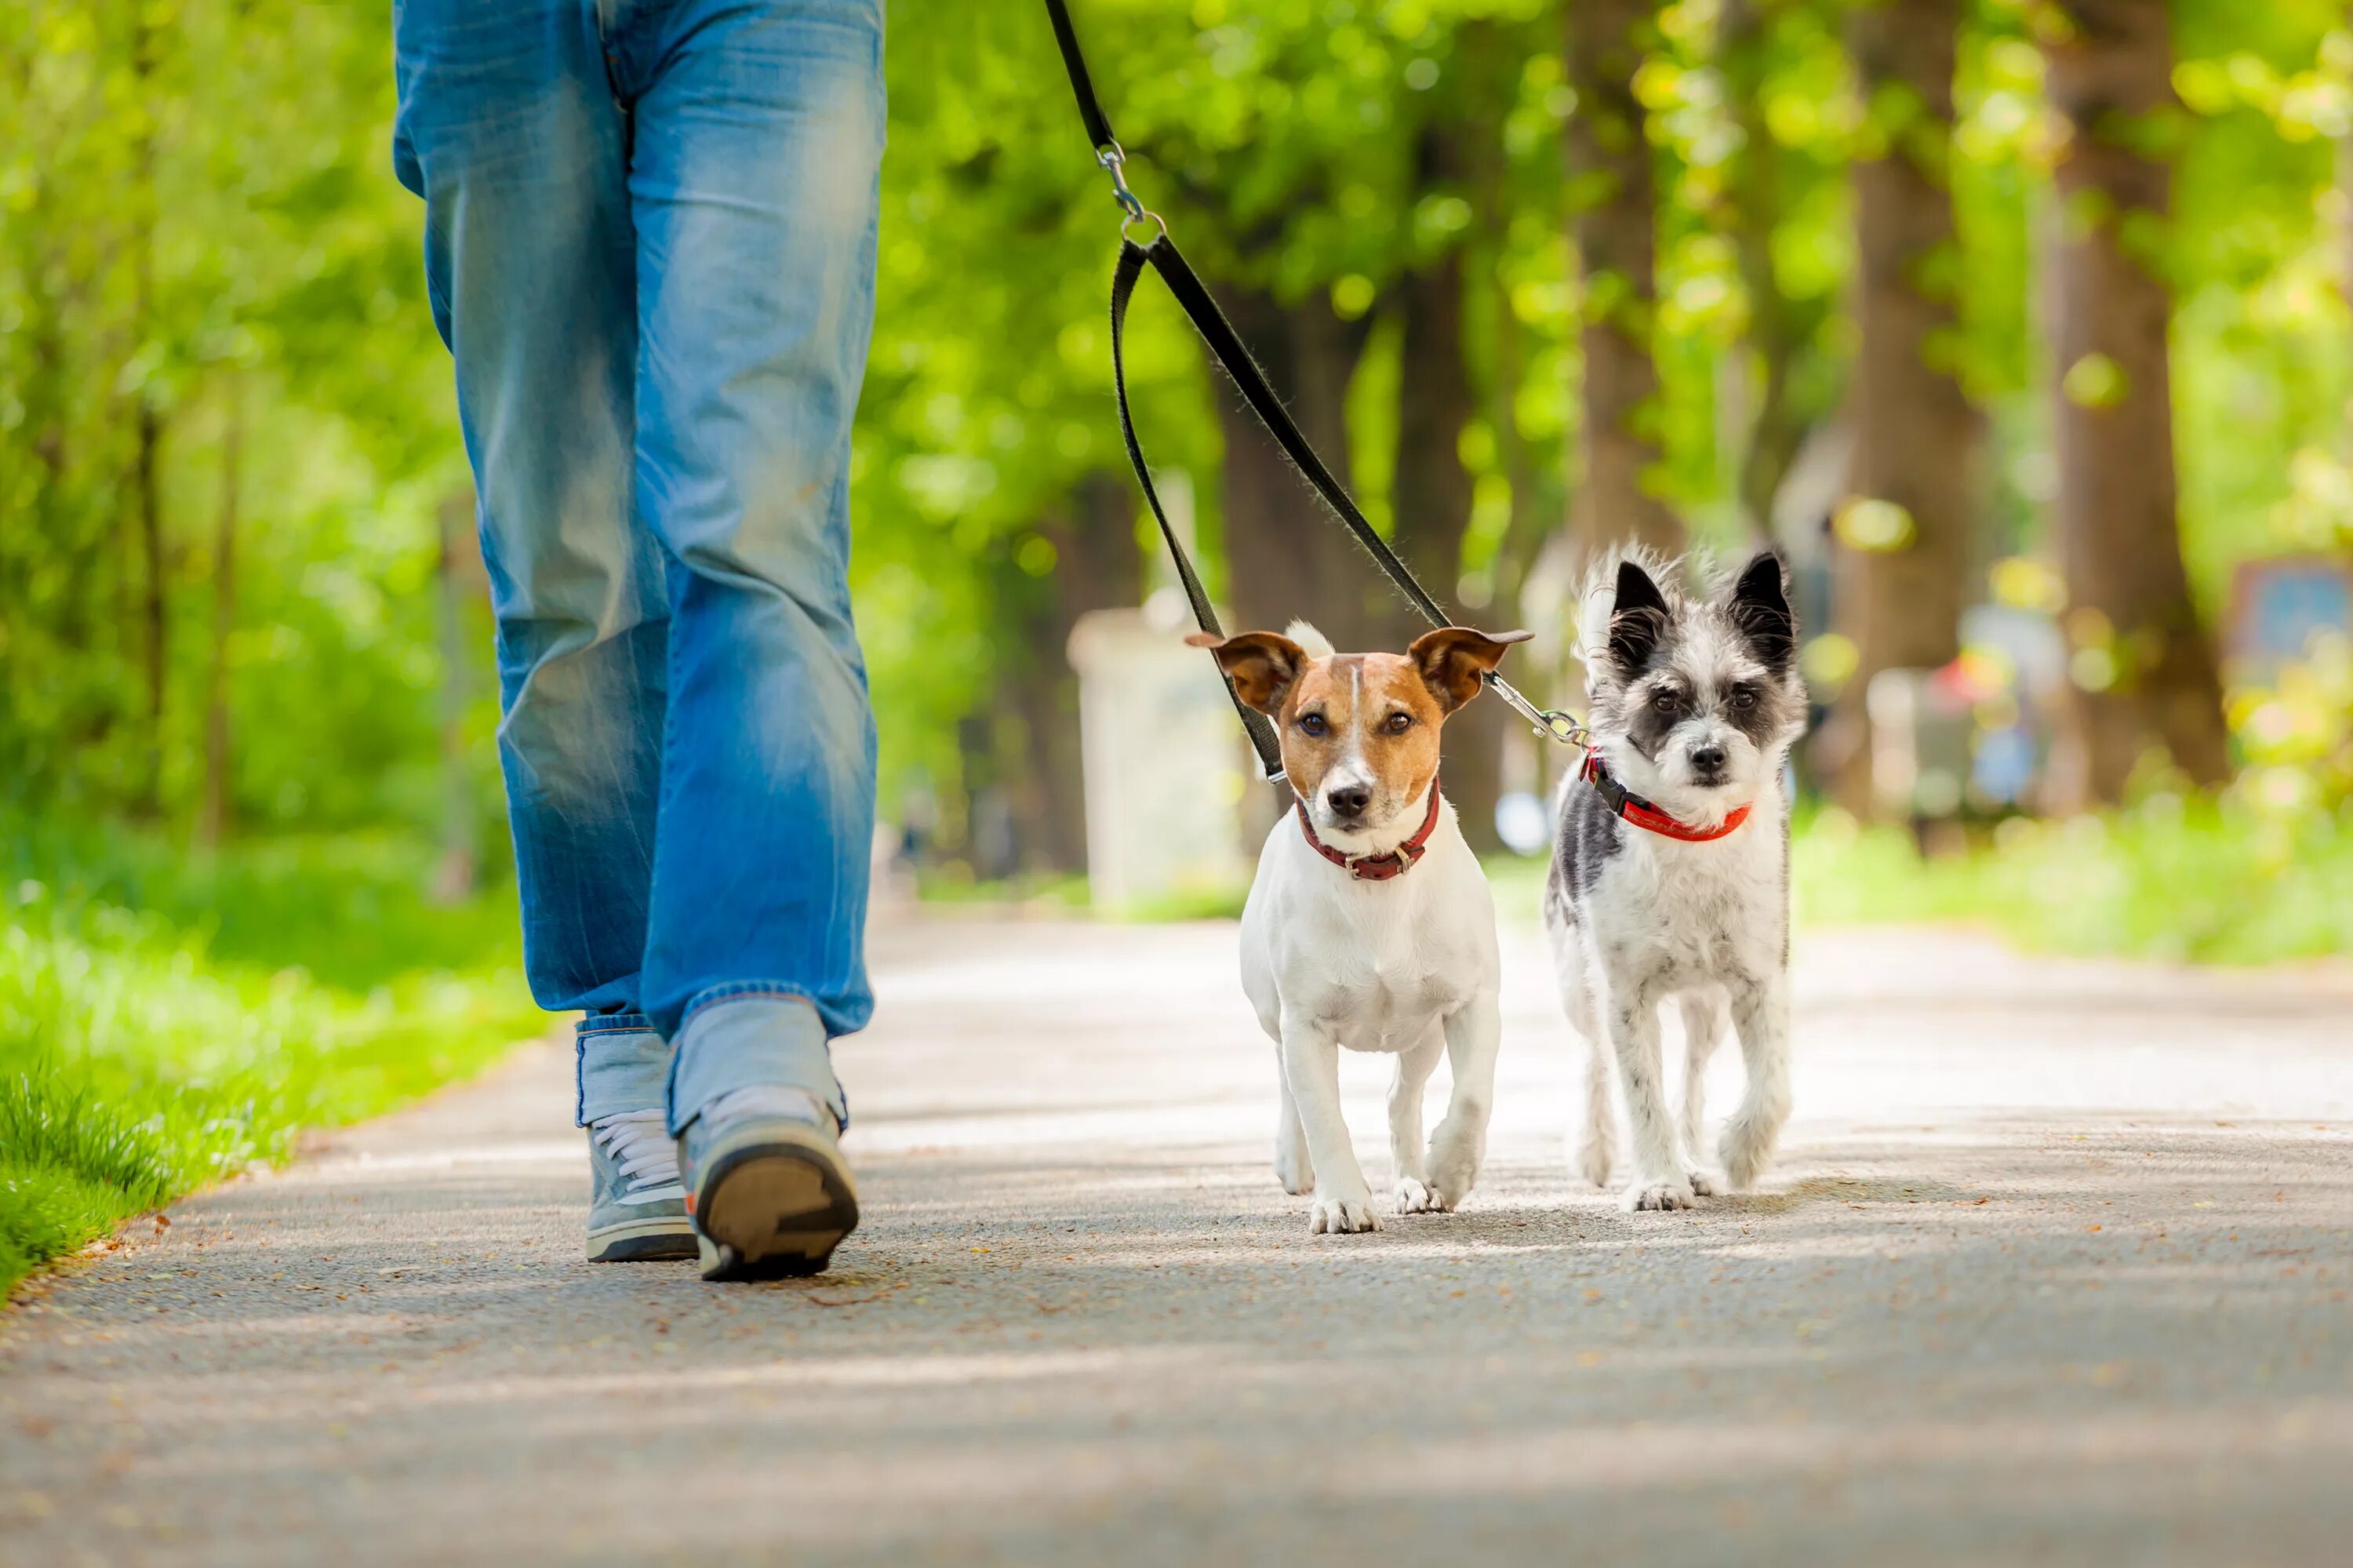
{"points": [[2203, 881], [166, 1019]]}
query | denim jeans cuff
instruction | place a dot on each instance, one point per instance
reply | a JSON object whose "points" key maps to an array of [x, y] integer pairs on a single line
{"points": [[738, 1036], [622, 1065]]}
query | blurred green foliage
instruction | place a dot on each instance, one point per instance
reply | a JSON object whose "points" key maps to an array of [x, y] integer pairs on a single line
{"points": [[235, 157]]}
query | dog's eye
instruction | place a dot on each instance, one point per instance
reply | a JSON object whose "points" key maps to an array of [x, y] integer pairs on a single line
{"points": [[1744, 697], [1311, 724], [1666, 702], [1398, 723]]}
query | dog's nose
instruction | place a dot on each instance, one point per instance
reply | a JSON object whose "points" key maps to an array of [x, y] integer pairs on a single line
{"points": [[1349, 800], [1708, 759]]}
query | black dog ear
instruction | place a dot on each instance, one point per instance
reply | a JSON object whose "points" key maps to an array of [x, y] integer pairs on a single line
{"points": [[1760, 609], [1638, 620]]}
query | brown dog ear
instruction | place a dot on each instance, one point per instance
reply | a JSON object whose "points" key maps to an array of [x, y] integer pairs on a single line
{"points": [[1452, 658], [1260, 665]]}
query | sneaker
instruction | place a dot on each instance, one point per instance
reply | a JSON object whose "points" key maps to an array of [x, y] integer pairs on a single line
{"points": [[637, 1213], [766, 1184]]}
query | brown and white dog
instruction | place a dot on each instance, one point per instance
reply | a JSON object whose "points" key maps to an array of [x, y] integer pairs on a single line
{"points": [[1370, 925]]}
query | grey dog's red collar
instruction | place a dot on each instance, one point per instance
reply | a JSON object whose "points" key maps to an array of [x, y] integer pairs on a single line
{"points": [[1633, 809], [1376, 867]]}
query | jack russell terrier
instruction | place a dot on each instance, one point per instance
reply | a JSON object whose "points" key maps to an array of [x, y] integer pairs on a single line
{"points": [[1369, 925], [1661, 886]]}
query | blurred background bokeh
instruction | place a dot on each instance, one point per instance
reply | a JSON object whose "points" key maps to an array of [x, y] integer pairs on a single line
{"points": [[2021, 326]]}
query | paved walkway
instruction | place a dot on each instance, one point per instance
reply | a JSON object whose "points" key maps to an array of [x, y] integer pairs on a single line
{"points": [[2055, 1270]]}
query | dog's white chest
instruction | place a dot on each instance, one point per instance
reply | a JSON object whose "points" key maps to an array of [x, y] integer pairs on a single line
{"points": [[1377, 966]]}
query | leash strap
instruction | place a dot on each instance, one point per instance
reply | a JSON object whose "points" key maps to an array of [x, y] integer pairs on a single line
{"points": [[1233, 356], [1132, 259], [1082, 86], [1226, 347]]}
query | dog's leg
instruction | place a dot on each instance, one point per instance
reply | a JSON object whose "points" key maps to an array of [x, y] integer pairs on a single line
{"points": [[1460, 1145], [1659, 1182], [1593, 1140], [1760, 1012], [1292, 1167], [1409, 1161], [1702, 1030], [1310, 1068]]}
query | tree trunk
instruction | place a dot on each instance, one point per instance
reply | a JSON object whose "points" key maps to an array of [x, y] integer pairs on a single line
{"points": [[1758, 197], [1286, 557], [2145, 672], [1097, 566], [1431, 491], [1613, 226], [213, 818], [1903, 575]]}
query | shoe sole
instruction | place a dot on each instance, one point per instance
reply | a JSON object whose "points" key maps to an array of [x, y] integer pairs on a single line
{"points": [[664, 1240], [774, 1209]]}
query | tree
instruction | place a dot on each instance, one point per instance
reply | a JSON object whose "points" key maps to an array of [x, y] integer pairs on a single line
{"points": [[1611, 198], [1286, 559], [1766, 187], [2145, 674], [1904, 531]]}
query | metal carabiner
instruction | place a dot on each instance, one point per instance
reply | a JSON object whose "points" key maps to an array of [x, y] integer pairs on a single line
{"points": [[1110, 156]]}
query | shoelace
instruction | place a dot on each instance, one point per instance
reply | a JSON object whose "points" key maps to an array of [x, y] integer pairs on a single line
{"points": [[639, 1143]]}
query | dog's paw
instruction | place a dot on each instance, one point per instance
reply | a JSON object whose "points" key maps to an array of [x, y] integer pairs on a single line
{"points": [[1413, 1197], [1294, 1171], [1455, 1156], [1746, 1149], [1644, 1195], [1703, 1185], [1593, 1159], [1341, 1215]]}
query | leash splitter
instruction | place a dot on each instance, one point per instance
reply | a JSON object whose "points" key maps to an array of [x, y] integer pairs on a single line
{"points": [[1159, 253]]}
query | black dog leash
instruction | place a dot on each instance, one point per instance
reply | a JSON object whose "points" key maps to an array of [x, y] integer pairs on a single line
{"points": [[1160, 253]]}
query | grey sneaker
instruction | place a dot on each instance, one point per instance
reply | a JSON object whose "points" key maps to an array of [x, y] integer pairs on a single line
{"points": [[637, 1213], [766, 1184]]}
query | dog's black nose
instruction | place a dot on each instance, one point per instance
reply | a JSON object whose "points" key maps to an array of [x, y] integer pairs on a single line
{"points": [[1707, 758], [1350, 801]]}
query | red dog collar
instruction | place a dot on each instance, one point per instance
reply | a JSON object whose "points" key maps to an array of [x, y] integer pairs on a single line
{"points": [[1641, 813], [1376, 867]]}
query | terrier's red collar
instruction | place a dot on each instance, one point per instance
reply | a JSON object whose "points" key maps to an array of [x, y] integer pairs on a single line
{"points": [[1376, 867], [1642, 814]]}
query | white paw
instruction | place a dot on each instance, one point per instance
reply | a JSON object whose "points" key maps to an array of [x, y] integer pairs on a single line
{"points": [[1703, 1185], [1593, 1159], [1294, 1169], [1745, 1151], [1341, 1215], [1413, 1197], [1454, 1159], [1642, 1195]]}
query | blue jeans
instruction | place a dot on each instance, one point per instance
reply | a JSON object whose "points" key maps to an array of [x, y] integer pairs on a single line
{"points": [[649, 244]]}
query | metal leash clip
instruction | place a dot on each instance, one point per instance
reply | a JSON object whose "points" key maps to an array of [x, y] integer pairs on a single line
{"points": [[1552, 723], [1112, 156]]}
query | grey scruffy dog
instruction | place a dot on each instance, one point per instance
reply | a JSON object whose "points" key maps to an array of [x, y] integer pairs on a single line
{"points": [[1671, 880]]}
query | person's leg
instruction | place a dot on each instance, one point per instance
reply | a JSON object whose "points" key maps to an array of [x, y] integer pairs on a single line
{"points": [[758, 137], [509, 131]]}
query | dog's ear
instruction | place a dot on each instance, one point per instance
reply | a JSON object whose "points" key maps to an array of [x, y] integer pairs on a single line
{"points": [[1760, 609], [1260, 665], [1452, 659], [1638, 620]]}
